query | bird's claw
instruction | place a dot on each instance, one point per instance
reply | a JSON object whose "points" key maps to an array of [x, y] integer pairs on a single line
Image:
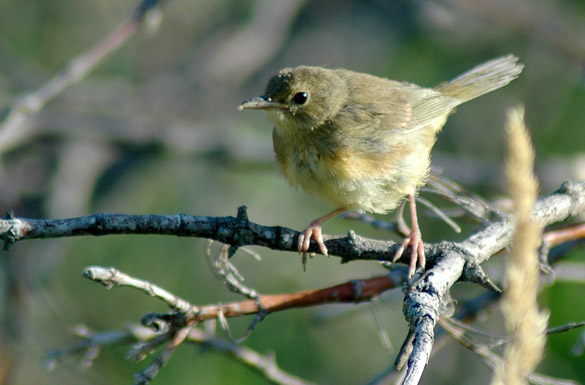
{"points": [[414, 240], [312, 231]]}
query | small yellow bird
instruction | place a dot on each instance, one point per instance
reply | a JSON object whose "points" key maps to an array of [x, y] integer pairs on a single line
{"points": [[361, 142]]}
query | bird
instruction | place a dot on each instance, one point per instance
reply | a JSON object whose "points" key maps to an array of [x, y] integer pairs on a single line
{"points": [[361, 142]]}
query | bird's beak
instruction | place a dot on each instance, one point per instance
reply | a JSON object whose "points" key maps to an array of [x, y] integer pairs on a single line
{"points": [[261, 103]]}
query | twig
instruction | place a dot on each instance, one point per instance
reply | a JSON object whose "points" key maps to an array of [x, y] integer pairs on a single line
{"points": [[423, 300], [111, 277], [145, 347], [147, 375], [565, 328], [438, 212], [473, 204], [489, 357], [88, 344], [554, 238], [264, 364], [231, 277], [353, 292], [227, 272], [12, 120]]}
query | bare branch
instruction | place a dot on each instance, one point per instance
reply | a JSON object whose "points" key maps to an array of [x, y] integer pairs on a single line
{"points": [[89, 341], [147, 375], [349, 292], [112, 277], [264, 364], [13, 119], [448, 262], [480, 246], [489, 357], [353, 291], [424, 298]]}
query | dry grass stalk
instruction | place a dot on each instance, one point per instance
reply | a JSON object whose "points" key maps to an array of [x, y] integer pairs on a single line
{"points": [[524, 320]]}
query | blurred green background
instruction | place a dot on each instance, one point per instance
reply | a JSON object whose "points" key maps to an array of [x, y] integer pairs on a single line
{"points": [[155, 130]]}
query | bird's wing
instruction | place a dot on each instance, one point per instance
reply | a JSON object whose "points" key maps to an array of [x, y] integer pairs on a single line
{"points": [[427, 108], [394, 105], [371, 110]]}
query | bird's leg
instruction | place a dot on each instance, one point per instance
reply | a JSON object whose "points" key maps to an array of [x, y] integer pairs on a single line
{"points": [[314, 231], [414, 240]]}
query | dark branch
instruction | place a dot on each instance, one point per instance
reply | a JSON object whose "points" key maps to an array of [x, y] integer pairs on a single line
{"points": [[239, 231]]}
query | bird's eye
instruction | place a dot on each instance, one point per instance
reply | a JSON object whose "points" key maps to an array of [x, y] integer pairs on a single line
{"points": [[300, 97]]}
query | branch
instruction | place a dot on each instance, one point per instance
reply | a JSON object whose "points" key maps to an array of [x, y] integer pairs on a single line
{"points": [[147, 375], [454, 261], [447, 263], [353, 291], [177, 326], [14, 116], [568, 201], [490, 358], [112, 277], [264, 364], [134, 334]]}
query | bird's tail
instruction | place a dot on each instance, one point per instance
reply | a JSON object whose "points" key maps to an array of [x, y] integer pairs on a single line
{"points": [[482, 79]]}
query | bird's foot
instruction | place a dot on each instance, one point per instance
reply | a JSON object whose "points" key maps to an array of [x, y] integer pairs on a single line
{"points": [[414, 240], [314, 230]]}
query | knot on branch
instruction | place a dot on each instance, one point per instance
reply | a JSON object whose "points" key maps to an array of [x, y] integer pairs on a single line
{"points": [[158, 321], [144, 7], [9, 236], [421, 310], [236, 232], [242, 214], [242, 232], [105, 276], [472, 272], [421, 301], [100, 222], [577, 193], [352, 247]]}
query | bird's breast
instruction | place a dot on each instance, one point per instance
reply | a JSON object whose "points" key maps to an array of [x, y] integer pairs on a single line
{"points": [[347, 171]]}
